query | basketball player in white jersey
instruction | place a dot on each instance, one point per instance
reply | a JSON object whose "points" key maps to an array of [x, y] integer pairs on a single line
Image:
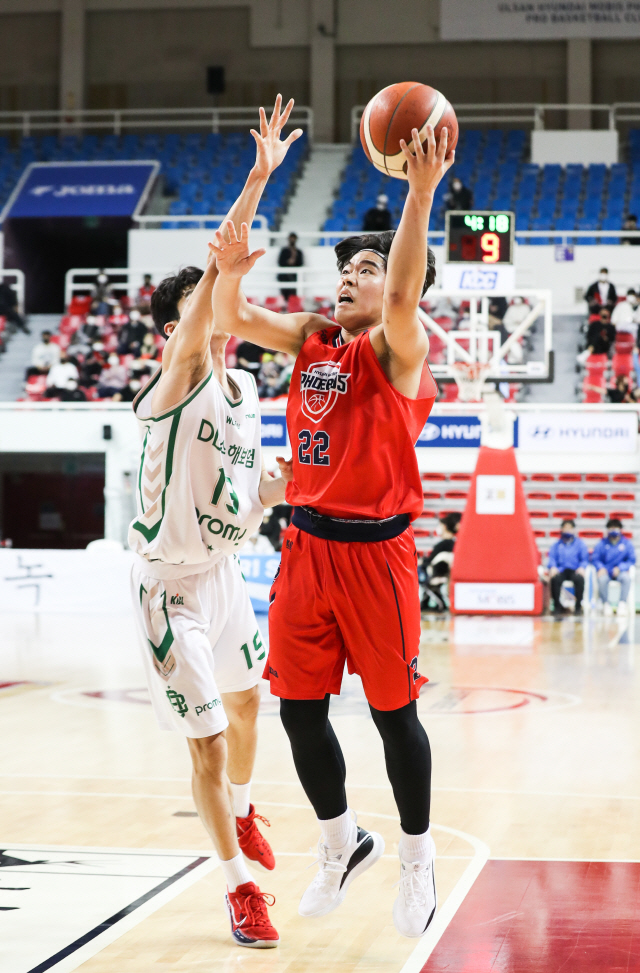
{"points": [[201, 493]]}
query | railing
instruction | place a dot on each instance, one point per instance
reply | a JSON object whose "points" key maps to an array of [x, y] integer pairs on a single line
{"points": [[18, 276], [149, 222], [118, 121], [81, 280], [528, 113]]}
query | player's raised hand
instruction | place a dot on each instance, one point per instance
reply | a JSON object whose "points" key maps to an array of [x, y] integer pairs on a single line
{"points": [[425, 169], [270, 148], [233, 259]]}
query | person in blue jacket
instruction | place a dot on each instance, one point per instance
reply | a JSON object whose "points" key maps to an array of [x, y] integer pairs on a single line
{"points": [[568, 558], [612, 557]]}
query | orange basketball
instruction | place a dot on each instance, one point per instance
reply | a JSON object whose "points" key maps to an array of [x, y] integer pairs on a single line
{"points": [[390, 116]]}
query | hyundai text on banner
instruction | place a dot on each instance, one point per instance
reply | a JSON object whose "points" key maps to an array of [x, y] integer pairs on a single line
{"points": [[450, 431], [80, 189], [578, 432], [521, 20]]}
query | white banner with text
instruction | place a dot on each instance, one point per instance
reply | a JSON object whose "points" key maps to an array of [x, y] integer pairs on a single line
{"points": [[578, 432], [523, 20]]}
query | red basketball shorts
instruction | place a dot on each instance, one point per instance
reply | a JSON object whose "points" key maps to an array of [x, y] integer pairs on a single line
{"points": [[357, 601]]}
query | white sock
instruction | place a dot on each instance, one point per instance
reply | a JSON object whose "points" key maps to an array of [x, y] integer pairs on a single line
{"points": [[415, 847], [236, 872], [336, 831], [241, 799]]}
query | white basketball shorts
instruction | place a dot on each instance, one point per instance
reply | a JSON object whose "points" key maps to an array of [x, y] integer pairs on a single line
{"points": [[199, 638]]}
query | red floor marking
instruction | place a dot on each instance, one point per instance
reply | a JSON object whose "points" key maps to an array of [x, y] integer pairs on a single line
{"points": [[545, 917]]}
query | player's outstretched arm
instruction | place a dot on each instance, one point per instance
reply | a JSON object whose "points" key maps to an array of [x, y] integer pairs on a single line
{"points": [[404, 335], [234, 314]]}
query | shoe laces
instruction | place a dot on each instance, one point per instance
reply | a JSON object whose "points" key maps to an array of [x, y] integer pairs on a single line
{"points": [[254, 906], [414, 884], [329, 865]]}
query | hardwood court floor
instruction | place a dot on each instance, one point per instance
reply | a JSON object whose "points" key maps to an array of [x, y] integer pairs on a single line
{"points": [[534, 730]]}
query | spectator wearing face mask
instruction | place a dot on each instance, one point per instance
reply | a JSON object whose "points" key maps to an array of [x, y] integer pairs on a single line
{"points": [[132, 334], [568, 559], [600, 335], [378, 218], [459, 196], [612, 558], [62, 380], [515, 314], [43, 356], [601, 294], [631, 223], [113, 379], [626, 316], [102, 293]]}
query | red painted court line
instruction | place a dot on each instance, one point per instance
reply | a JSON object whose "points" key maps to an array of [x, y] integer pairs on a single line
{"points": [[545, 917]]}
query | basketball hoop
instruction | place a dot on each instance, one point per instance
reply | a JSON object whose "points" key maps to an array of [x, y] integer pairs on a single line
{"points": [[470, 377]]}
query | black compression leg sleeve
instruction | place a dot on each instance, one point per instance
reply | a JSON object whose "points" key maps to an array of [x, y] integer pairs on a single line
{"points": [[408, 758], [316, 754]]}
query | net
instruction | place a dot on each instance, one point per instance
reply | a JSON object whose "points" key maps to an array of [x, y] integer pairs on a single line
{"points": [[470, 377]]}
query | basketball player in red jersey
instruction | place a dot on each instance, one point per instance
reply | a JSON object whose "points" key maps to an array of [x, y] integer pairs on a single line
{"points": [[347, 588]]}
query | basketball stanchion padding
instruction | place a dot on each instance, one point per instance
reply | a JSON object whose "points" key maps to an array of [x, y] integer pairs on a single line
{"points": [[495, 566]]}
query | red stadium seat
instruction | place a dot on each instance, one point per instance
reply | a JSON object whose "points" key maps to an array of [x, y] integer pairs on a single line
{"points": [[593, 497], [433, 477], [590, 535], [564, 495], [460, 477], [597, 477], [539, 514], [624, 497], [624, 478], [540, 534], [593, 515], [431, 495], [542, 477], [555, 533], [565, 514], [570, 478], [539, 496], [456, 495], [622, 514]]}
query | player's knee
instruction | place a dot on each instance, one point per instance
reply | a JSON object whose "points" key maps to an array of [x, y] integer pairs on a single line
{"points": [[399, 727], [209, 756], [242, 707], [305, 721]]}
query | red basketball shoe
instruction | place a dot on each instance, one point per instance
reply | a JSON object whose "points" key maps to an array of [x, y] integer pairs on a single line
{"points": [[250, 923], [253, 845]]}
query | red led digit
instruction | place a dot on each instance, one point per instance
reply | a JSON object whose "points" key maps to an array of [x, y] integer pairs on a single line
{"points": [[490, 243]]}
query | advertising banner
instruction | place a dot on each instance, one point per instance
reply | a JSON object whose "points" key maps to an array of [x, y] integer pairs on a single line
{"points": [[58, 189], [523, 20], [274, 430], [578, 432], [451, 431]]}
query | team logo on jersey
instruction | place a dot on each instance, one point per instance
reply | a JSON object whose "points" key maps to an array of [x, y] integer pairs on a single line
{"points": [[321, 385]]}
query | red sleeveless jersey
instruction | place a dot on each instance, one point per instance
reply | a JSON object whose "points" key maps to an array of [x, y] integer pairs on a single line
{"points": [[352, 433]]}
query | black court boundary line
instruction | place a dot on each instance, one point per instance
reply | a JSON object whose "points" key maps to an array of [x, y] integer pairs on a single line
{"points": [[108, 923]]}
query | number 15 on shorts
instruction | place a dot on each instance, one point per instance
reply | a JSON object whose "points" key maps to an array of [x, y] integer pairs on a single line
{"points": [[257, 649]]}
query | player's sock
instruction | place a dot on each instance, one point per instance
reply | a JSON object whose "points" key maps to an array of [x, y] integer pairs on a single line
{"points": [[241, 799], [235, 872], [336, 831], [416, 847]]}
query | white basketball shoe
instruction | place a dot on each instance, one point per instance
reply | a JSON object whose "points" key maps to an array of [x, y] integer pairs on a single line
{"points": [[338, 869], [416, 904]]}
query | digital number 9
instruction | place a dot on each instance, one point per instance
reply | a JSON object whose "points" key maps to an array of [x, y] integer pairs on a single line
{"points": [[490, 243]]}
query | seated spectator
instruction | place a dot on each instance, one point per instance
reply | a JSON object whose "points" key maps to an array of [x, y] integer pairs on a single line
{"points": [[631, 223], [249, 357], [434, 569], [117, 318], [568, 560], [290, 256], [132, 334], [274, 376], [113, 379], [129, 392], [515, 314], [459, 197], [378, 218], [600, 335], [9, 308], [612, 558], [93, 365], [274, 524], [102, 293], [601, 294], [62, 381], [626, 316], [87, 333], [43, 356], [621, 392], [145, 292]]}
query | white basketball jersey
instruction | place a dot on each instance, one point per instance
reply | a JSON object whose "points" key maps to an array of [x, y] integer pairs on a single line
{"points": [[197, 489]]}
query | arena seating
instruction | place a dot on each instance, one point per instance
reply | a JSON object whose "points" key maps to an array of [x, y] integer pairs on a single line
{"points": [[493, 165], [588, 498], [204, 173]]}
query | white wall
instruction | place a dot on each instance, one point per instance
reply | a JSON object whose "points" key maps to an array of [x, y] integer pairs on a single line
{"points": [[166, 250]]}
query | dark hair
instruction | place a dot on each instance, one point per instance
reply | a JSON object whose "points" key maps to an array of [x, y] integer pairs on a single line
{"points": [[614, 522], [632, 216], [568, 520], [165, 298], [381, 242], [451, 521]]}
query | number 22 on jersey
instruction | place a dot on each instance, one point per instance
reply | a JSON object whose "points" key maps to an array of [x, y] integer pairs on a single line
{"points": [[313, 449]]}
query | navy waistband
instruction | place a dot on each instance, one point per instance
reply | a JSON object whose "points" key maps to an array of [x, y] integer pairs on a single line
{"points": [[348, 531]]}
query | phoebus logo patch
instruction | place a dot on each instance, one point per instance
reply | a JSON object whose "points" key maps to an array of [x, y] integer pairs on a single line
{"points": [[321, 385]]}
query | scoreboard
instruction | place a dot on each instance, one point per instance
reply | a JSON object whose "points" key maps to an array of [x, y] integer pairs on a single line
{"points": [[479, 237]]}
